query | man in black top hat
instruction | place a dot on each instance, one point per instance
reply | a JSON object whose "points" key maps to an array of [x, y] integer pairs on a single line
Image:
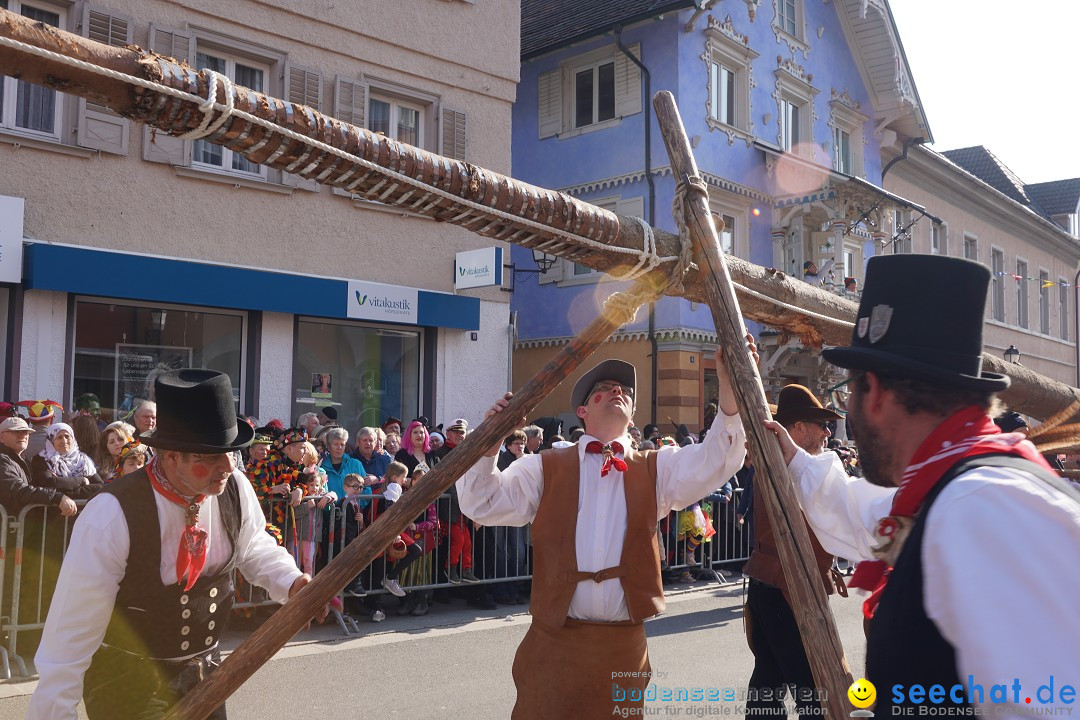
{"points": [[146, 586], [951, 500]]}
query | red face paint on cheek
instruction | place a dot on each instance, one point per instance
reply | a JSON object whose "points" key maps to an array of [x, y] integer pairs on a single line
{"points": [[595, 399], [200, 471]]}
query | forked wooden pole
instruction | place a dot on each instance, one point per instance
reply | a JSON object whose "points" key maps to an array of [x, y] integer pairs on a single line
{"points": [[286, 622], [771, 483]]}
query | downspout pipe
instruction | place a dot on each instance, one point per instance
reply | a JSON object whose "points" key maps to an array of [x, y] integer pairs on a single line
{"points": [[902, 156], [646, 80]]}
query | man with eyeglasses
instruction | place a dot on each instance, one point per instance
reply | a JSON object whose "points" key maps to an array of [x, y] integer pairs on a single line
{"points": [[596, 565], [771, 630]]}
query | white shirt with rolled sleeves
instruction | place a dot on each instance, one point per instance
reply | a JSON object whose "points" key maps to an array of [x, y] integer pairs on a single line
{"points": [[95, 564], [999, 575], [683, 476]]}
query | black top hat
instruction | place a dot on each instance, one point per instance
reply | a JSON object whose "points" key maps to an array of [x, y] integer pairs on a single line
{"points": [[798, 403], [196, 414], [618, 370], [921, 317]]}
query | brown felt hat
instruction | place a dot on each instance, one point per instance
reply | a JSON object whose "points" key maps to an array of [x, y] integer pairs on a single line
{"points": [[798, 403]]}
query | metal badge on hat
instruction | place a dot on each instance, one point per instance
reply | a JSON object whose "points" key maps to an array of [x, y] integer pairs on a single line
{"points": [[880, 317], [864, 323]]}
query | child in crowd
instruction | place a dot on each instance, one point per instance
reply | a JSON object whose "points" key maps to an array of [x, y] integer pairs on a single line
{"points": [[396, 473], [309, 509], [353, 522], [694, 528], [131, 457]]}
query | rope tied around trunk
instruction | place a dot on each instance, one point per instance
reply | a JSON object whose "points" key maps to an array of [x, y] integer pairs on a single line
{"points": [[210, 103]]}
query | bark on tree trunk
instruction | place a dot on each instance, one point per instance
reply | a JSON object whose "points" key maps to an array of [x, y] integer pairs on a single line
{"points": [[539, 218]]}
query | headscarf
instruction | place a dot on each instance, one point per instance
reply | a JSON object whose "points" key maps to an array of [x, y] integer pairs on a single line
{"points": [[73, 463]]}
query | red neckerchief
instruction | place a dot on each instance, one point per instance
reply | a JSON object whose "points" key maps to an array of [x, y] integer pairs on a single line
{"points": [[967, 433], [608, 451], [191, 555]]}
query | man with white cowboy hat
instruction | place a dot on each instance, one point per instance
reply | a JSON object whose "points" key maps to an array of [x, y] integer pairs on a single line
{"points": [[596, 565], [146, 586]]}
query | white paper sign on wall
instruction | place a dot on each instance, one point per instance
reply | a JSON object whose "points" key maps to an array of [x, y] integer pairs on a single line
{"points": [[11, 238]]}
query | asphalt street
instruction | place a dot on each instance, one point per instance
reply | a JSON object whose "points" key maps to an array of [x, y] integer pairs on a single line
{"points": [[456, 662]]}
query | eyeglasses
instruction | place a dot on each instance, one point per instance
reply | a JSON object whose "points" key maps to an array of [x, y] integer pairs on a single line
{"points": [[825, 426], [608, 386], [354, 485]]}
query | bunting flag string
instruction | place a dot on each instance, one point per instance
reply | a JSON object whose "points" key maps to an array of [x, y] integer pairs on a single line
{"points": [[1043, 283]]}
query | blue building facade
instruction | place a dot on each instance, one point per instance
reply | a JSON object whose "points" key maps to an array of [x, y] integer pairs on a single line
{"points": [[793, 107]]}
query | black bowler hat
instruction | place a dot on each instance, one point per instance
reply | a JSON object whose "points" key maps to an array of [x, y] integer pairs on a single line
{"points": [[921, 317], [196, 414], [617, 370]]}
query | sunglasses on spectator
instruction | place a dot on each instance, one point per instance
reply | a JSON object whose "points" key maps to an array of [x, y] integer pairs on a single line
{"points": [[821, 424], [354, 485], [608, 386]]}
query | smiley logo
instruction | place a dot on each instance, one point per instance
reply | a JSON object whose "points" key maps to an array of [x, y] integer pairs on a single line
{"points": [[862, 693]]}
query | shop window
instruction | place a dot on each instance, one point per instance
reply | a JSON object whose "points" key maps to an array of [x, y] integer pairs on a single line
{"points": [[368, 373], [121, 348]]}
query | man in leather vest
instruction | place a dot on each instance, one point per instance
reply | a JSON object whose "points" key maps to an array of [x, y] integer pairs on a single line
{"points": [[146, 586], [949, 502], [771, 630], [596, 565]]}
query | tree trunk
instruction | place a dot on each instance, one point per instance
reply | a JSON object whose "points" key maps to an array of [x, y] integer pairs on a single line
{"points": [[482, 201]]}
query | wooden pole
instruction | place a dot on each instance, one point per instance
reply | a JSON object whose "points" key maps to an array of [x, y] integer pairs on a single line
{"points": [[760, 290], [286, 622], [772, 485]]}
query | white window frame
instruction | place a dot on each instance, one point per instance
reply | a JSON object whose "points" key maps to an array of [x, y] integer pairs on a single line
{"points": [[1064, 299], [796, 41], [1022, 292], [396, 105], [231, 59], [997, 283], [726, 48], [405, 96], [854, 250], [901, 243], [736, 207], [9, 86], [972, 241], [1044, 301], [794, 89], [846, 119], [939, 238], [567, 273], [593, 68]]}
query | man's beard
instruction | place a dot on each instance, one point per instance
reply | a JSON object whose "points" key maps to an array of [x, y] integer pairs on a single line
{"points": [[875, 456]]}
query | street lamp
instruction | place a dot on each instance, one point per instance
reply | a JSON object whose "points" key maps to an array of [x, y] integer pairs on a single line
{"points": [[1012, 355], [544, 262]]}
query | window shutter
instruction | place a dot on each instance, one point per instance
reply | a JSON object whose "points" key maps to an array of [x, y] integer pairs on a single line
{"points": [[98, 128], [550, 103], [158, 146], [350, 106], [304, 87], [453, 137], [627, 83]]}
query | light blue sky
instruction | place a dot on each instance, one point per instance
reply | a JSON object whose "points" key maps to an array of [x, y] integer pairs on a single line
{"points": [[999, 74]]}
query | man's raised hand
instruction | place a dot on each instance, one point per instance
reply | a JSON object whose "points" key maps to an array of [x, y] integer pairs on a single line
{"points": [[500, 405]]}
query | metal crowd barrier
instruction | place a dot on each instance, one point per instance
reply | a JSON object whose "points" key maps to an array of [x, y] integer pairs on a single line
{"points": [[499, 555]]}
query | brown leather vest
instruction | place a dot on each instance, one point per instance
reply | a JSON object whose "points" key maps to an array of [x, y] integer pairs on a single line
{"points": [[764, 562], [554, 531]]}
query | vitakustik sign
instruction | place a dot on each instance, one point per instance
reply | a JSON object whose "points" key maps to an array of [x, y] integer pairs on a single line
{"points": [[389, 303], [478, 268], [11, 239]]}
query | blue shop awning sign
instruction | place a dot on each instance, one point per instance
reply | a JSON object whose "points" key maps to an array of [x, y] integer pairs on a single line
{"points": [[132, 276]]}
